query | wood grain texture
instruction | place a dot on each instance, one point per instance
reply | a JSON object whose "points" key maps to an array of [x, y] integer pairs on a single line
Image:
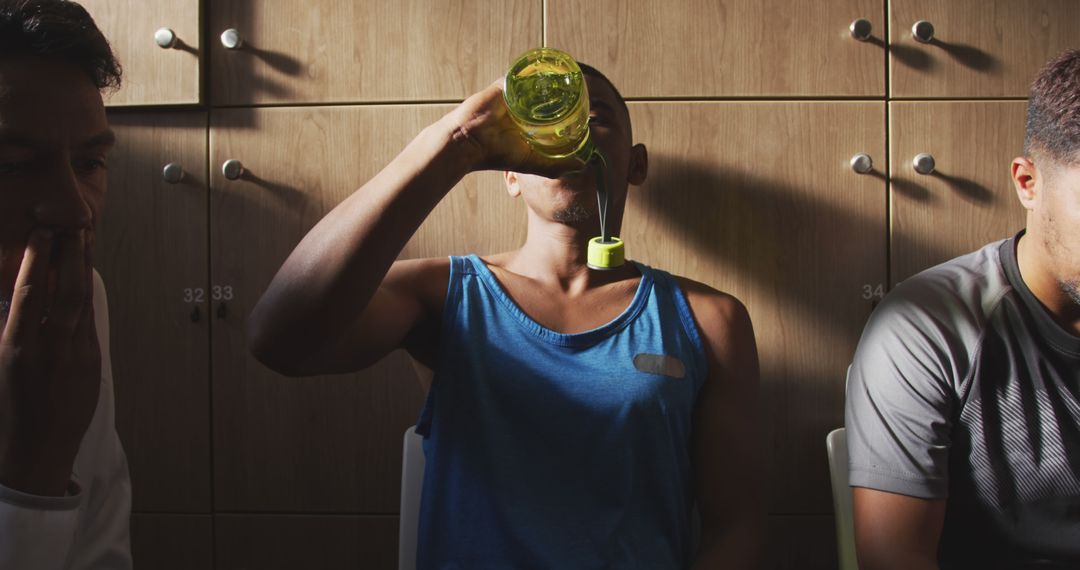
{"points": [[152, 246], [724, 48], [969, 200], [309, 542], [983, 48], [172, 542], [327, 444], [759, 200], [801, 542], [345, 51], [152, 75]]}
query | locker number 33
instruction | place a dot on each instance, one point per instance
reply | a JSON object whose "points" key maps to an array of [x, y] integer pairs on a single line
{"points": [[217, 293]]}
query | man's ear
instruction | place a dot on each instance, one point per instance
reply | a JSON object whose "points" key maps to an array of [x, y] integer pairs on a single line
{"points": [[1028, 180], [513, 186], [639, 165]]}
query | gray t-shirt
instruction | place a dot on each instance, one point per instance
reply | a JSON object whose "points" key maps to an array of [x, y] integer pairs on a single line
{"points": [[963, 387]]}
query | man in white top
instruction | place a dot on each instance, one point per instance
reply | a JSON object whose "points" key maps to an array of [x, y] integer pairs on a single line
{"points": [[65, 496]]}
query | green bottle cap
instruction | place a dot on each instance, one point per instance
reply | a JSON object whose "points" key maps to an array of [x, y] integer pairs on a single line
{"points": [[606, 255]]}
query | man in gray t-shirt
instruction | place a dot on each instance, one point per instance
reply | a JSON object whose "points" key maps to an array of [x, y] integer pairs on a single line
{"points": [[963, 401]]}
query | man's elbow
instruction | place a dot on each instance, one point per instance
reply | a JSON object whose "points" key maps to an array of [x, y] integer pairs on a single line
{"points": [[270, 349]]}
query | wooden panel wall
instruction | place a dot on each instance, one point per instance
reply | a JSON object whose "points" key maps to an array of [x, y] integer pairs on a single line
{"points": [[336, 50], [981, 48], [152, 75], [152, 256], [969, 183], [733, 48]]}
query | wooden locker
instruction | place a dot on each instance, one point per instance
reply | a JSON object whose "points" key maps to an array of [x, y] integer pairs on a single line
{"points": [[760, 200], [801, 542], [725, 48], [339, 51], [326, 444], [152, 253], [979, 48], [172, 542], [969, 199], [310, 542], [153, 75]]}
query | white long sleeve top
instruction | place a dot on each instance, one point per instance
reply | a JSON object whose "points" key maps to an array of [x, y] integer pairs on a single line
{"points": [[88, 528]]}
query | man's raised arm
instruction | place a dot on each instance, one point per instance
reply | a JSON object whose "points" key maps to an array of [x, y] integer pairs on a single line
{"points": [[336, 305]]}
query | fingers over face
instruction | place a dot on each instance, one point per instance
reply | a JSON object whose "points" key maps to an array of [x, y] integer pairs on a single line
{"points": [[73, 282], [31, 294]]}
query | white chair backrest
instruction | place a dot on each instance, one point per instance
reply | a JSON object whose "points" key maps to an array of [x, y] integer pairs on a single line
{"points": [[412, 482], [836, 444]]}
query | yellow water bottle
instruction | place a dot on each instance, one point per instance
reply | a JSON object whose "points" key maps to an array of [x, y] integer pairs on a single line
{"points": [[548, 99]]}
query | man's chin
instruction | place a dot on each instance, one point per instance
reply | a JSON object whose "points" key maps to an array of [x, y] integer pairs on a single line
{"points": [[573, 214], [1072, 290]]}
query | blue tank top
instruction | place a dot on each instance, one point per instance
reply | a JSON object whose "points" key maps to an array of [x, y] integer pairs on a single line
{"points": [[559, 451]]}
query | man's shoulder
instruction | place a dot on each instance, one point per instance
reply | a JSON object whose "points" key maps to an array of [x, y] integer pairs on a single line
{"points": [[426, 278], [933, 322], [718, 315], [702, 297], [420, 274], [957, 294]]}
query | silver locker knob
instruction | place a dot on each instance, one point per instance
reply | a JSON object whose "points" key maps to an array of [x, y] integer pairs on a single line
{"points": [[923, 163], [165, 38], [923, 31], [173, 173], [232, 169], [862, 163], [231, 39], [861, 29]]}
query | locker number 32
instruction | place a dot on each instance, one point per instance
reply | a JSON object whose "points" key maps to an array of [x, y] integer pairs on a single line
{"points": [[217, 293]]}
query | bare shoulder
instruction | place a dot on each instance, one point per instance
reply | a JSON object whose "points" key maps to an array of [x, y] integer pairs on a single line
{"points": [[726, 331], [410, 270], [718, 314], [425, 279]]}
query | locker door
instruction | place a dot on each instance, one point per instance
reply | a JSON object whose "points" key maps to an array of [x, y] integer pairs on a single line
{"points": [[153, 75], [968, 200], [152, 254], [334, 51], [979, 48], [725, 48]]}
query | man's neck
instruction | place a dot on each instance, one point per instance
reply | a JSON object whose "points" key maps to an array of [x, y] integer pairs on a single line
{"points": [[1035, 264], [556, 255]]}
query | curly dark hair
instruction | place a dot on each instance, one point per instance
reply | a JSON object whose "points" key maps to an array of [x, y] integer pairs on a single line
{"points": [[1053, 119], [61, 30]]}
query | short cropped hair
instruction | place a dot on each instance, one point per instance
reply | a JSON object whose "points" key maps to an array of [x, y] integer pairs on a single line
{"points": [[1053, 119], [590, 70], [58, 30]]}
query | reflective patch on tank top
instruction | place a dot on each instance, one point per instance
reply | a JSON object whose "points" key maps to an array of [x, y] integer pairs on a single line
{"points": [[660, 364]]}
